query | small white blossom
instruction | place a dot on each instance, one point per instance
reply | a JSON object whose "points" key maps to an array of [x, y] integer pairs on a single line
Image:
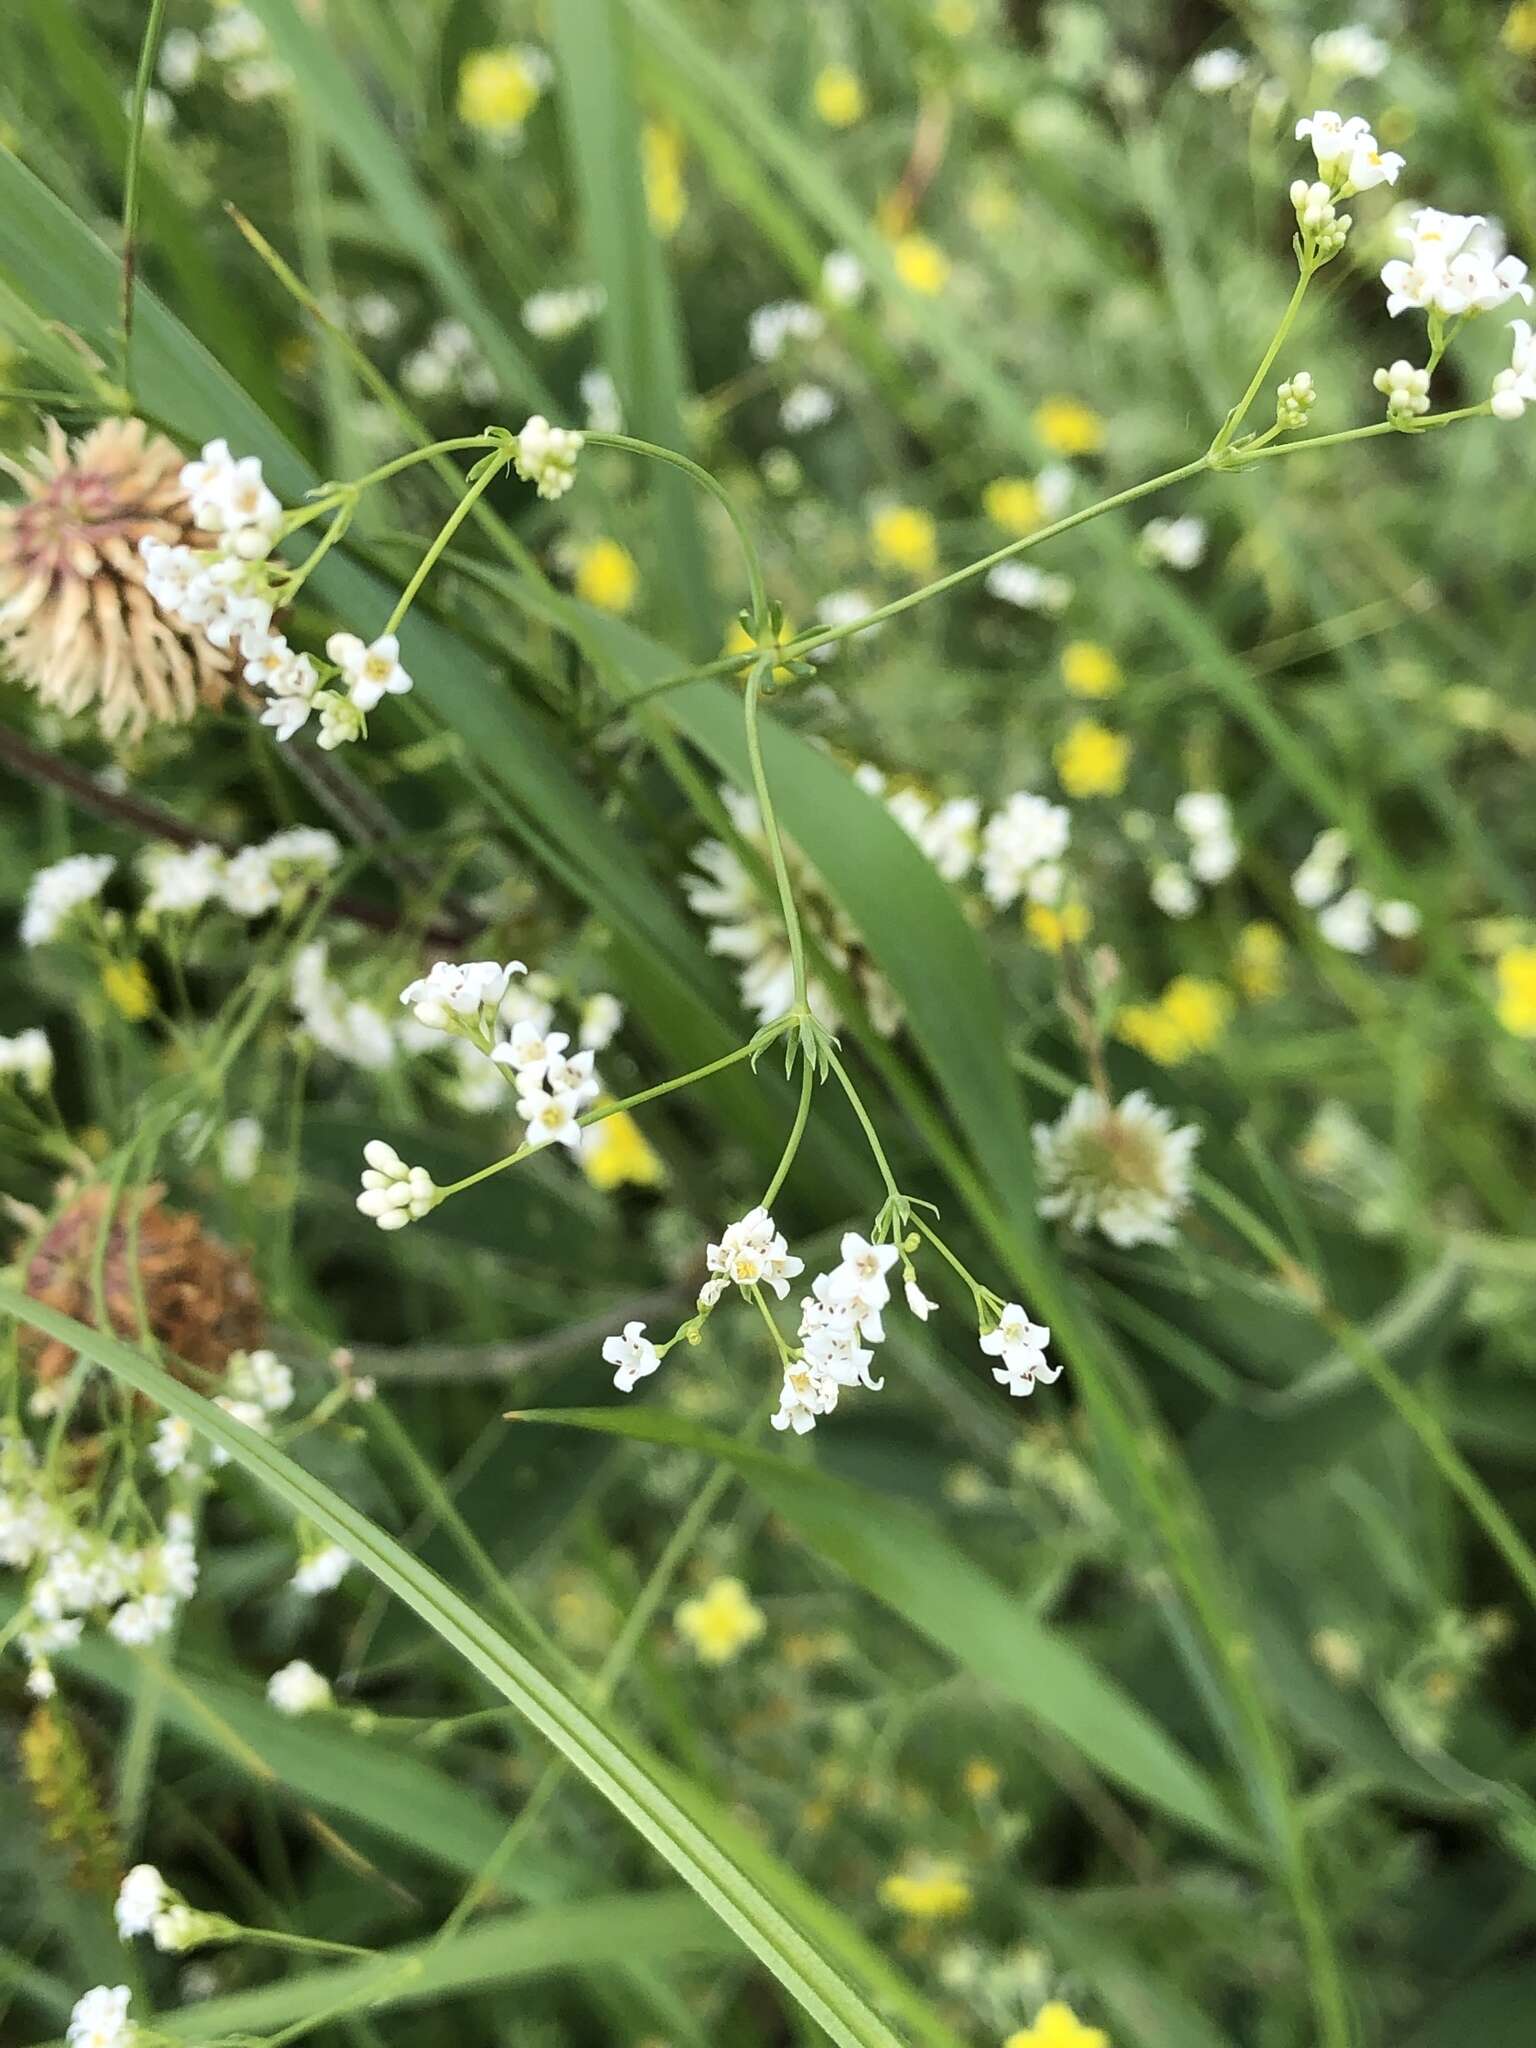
{"points": [[341, 720], [56, 893], [1348, 924], [28, 1058], [1027, 835], [751, 1253], [529, 1050], [143, 1620], [100, 2019], [1398, 920], [1318, 876], [181, 882], [1348, 155], [1172, 890], [240, 1149], [550, 1116], [602, 1018], [1515, 388], [371, 673], [322, 1571], [917, 1301], [1176, 543], [634, 1356], [1294, 400], [1021, 1345], [1451, 270], [550, 315], [171, 1444], [600, 396], [457, 996], [842, 277], [771, 328], [1029, 588], [1122, 1168], [1350, 52], [394, 1194], [806, 1394], [1219, 70], [805, 407], [140, 1898], [298, 1688], [546, 456]]}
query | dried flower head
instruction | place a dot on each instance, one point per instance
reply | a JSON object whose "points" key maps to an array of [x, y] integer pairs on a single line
{"points": [[76, 621]]}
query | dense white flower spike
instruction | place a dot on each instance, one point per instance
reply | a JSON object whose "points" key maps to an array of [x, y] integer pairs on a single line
{"points": [[1121, 1168], [1405, 389], [633, 1355], [546, 456], [141, 1898], [1294, 400], [1450, 270], [298, 1688], [751, 1253], [56, 893], [463, 996], [322, 1571], [100, 2019], [27, 1058], [370, 673], [394, 1194], [1020, 847], [1515, 388], [1020, 1344]]}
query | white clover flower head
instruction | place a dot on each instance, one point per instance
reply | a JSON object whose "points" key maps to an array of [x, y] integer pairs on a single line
{"points": [[1121, 1168], [1027, 836], [1405, 389], [321, 1571], [546, 456], [1021, 1345], [370, 672], [633, 1356], [27, 1058], [1515, 388], [140, 1898], [298, 1688], [460, 995], [99, 2019], [393, 1193], [56, 894]]}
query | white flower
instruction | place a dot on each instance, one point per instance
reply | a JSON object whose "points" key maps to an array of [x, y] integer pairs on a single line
{"points": [[181, 882], [1405, 389], [550, 1117], [247, 884], [842, 277], [453, 996], [529, 1050], [1349, 923], [1515, 388], [1203, 814], [1350, 52], [917, 1301], [1172, 891], [546, 456], [1020, 1344], [322, 1571], [181, 55], [1177, 543], [806, 1393], [1028, 833], [751, 1253], [771, 328], [55, 894], [291, 696], [600, 396], [1397, 919], [298, 1688], [573, 1076], [805, 407], [1216, 71], [100, 2019], [633, 1354], [341, 719], [140, 1897], [171, 1444], [240, 1149], [372, 672], [1449, 270], [394, 1194], [1213, 859], [1031, 589], [1120, 1167], [143, 1620], [28, 1058], [946, 832], [602, 1018], [844, 608], [1318, 876], [262, 1376], [230, 498], [550, 315]]}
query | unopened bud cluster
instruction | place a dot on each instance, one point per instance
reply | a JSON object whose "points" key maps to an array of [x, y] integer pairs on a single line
{"points": [[1405, 389], [1324, 229], [1294, 401]]}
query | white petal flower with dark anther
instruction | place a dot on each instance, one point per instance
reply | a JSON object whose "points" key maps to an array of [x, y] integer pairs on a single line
{"points": [[751, 1253], [633, 1355], [394, 1194], [298, 1688], [370, 673], [1020, 1344], [546, 456], [1122, 1168]]}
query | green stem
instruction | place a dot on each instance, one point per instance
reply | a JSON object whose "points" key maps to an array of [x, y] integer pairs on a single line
{"points": [[760, 668], [1239, 412], [797, 1132], [717, 490], [131, 182], [450, 527], [1238, 458], [852, 1093], [310, 1944]]}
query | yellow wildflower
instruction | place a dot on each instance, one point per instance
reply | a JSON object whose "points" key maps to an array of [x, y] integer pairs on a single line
{"points": [[1092, 760], [499, 89], [1258, 961], [921, 264], [721, 1622], [1090, 670], [1068, 427], [1013, 503], [1058, 2026], [837, 96], [1201, 1010], [607, 576], [1516, 971], [927, 1888], [616, 1154], [661, 157], [128, 988], [905, 537], [982, 1778], [1519, 30], [739, 641], [1053, 928]]}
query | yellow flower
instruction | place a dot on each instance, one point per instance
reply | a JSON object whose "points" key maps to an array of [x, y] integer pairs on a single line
{"points": [[1258, 961], [607, 576], [661, 157], [1189, 1016], [1092, 760], [1053, 928], [838, 97], [927, 1888], [1519, 30], [739, 641], [982, 1778], [1089, 670], [617, 1154], [1516, 971], [499, 89], [905, 537], [1068, 427], [128, 988], [1058, 2026], [1013, 503], [721, 1622], [921, 264]]}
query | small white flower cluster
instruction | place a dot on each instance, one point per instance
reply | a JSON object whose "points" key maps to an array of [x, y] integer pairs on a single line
{"points": [[99, 2019], [1205, 818], [1348, 919], [351, 1029], [772, 328], [840, 1319], [55, 894], [1515, 388], [229, 496], [1020, 1345], [752, 1252], [545, 456], [553, 1086], [1405, 389], [1453, 268], [237, 39], [146, 1904], [257, 1387], [462, 997], [1119, 1167], [600, 396], [843, 277], [321, 1570], [1175, 543], [1294, 400], [1348, 155], [1030, 589], [27, 1058], [449, 362], [257, 879], [1022, 846], [393, 1193], [298, 1688], [551, 315]]}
